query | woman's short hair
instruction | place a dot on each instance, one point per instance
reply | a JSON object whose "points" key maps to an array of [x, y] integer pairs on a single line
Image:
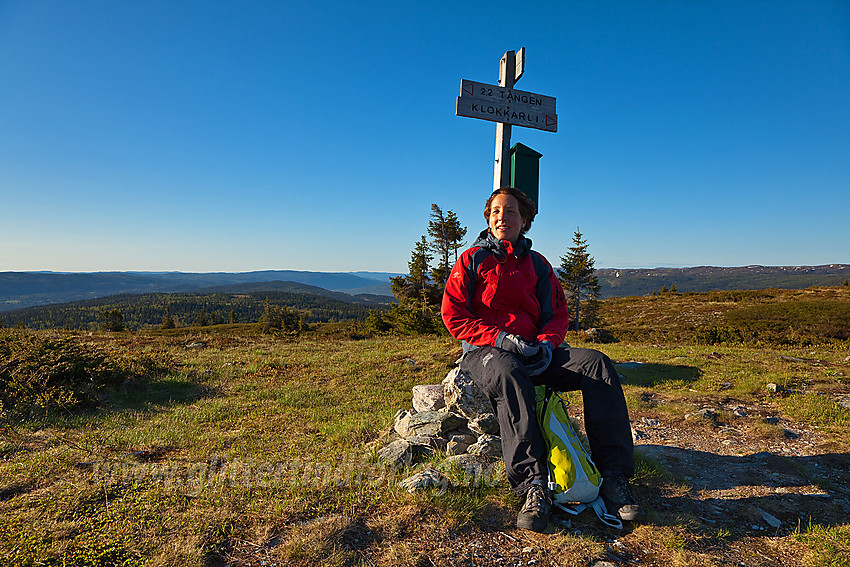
{"points": [[527, 208]]}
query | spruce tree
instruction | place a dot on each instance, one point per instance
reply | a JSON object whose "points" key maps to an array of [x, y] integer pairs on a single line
{"points": [[416, 289], [447, 235], [112, 320], [267, 320], [438, 231], [456, 232], [202, 320], [578, 278], [167, 318], [420, 260], [418, 297]]}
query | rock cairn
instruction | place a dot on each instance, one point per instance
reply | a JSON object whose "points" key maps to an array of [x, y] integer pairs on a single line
{"points": [[453, 418]]}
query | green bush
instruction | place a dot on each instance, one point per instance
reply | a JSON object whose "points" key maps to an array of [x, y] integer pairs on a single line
{"points": [[40, 373], [406, 319]]}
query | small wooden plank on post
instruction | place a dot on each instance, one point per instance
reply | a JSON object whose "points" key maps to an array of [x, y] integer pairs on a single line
{"points": [[520, 64], [502, 169]]}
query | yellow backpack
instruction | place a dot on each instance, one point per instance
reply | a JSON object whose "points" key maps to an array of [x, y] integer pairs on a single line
{"points": [[574, 480]]}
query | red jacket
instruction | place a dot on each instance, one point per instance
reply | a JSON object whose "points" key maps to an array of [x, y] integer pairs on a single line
{"points": [[496, 287]]}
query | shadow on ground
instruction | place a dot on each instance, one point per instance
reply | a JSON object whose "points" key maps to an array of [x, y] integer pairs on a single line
{"points": [[648, 374], [762, 492]]}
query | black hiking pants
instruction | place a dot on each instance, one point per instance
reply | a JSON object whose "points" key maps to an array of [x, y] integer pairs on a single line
{"points": [[503, 378]]}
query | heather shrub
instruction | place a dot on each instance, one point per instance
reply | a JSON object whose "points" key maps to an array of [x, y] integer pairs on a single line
{"points": [[40, 373]]}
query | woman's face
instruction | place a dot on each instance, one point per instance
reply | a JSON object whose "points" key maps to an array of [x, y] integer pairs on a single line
{"points": [[505, 221]]}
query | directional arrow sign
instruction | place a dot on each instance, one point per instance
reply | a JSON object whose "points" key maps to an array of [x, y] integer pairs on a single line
{"points": [[510, 106]]}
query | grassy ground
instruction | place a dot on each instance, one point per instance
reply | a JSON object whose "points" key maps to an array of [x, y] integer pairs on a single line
{"points": [[798, 317], [250, 450]]}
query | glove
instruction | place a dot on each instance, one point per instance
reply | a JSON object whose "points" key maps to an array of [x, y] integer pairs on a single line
{"points": [[516, 345], [539, 363]]}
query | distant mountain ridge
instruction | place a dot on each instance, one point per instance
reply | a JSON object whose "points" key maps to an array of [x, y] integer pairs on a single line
{"points": [[25, 289], [616, 282], [295, 287]]}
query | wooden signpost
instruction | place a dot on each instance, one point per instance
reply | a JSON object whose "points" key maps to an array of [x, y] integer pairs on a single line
{"points": [[519, 108], [507, 107]]}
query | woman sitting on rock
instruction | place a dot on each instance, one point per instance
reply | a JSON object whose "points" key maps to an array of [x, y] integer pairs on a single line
{"points": [[504, 302]]}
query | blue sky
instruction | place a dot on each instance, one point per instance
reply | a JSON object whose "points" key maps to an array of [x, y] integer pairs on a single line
{"points": [[314, 135]]}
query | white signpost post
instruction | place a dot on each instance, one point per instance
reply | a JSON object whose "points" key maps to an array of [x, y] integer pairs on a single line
{"points": [[507, 107]]}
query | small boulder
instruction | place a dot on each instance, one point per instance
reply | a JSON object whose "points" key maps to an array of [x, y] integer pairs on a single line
{"points": [[773, 521], [398, 454], [456, 448], [427, 444], [487, 446], [459, 443], [423, 480], [462, 437], [428, 423], [428, 397], [463, 396], [704, 413], [485, 424]]}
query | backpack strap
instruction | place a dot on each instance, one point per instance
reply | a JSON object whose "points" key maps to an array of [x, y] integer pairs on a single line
{"points": [[544, 405], [597, 506], [605, 517]]}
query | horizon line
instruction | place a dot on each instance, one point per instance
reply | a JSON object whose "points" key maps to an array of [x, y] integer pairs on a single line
{"points": [[354, 272]]}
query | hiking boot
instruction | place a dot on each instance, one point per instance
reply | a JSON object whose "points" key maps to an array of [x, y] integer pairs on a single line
{"points": [[618, 498], [534, 514]]}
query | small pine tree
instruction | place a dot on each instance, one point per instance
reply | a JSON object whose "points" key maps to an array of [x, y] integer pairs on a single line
{"points": [[456, 232], [280, 319], [267, 320], [378, 322], [112, 320], [417, 295], [232, 318], [578, 278], [420, 259], [202, 320], [447, 235], [438, 231], [167, 319]]}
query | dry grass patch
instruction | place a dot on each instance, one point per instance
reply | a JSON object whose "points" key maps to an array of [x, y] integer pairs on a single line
{"points": [[320, 541], [670, 545]]}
